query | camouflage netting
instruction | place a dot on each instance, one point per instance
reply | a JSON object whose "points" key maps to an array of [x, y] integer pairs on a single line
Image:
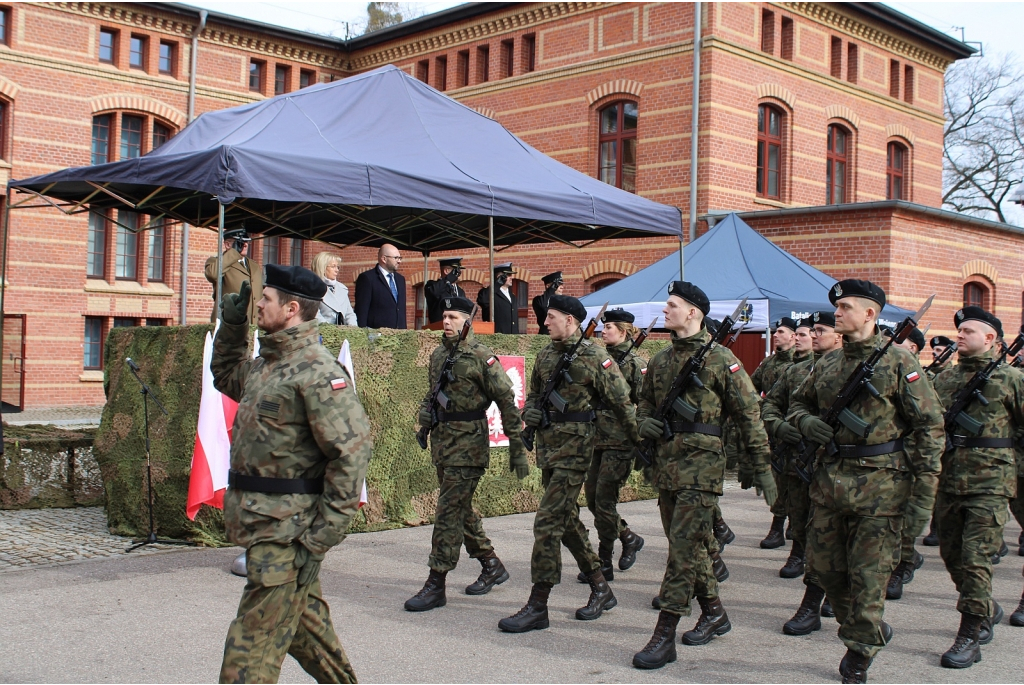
{"points": [[44, 466], [391, 376]]}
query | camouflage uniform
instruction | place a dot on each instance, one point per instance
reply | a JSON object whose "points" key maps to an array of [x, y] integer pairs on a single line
{"points": [[764, 379], [461, 449], [858, 502], [564, 452], [689, 470], [298, 417], [977, 483], [613, 458]]}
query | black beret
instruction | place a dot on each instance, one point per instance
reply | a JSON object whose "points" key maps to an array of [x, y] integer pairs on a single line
{"points": [[551, 278], [917, 337], [295, 280], [785, 322], [237, 234], [499, 268], [940, 341], [692, 294], [978, 314], [458, 304], [805, 322], [619, 314], [568, 305], [450, 261], [852, 287], [824, 319], [886, 330], [712, 325]]}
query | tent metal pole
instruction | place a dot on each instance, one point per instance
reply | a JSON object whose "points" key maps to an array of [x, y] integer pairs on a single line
{"points": [[490, 258], [423, 294], [220, 255], [681, 260], [3, 276], [694, 121], [193, 62]]}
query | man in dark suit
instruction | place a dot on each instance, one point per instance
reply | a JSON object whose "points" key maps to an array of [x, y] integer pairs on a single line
{"points": [[444, 287], [380, 292], [506, 310]]}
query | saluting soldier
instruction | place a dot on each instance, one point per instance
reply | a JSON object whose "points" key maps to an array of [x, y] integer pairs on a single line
{"points": [[564, 450], [436, 292], [236, 268], [978, 479], [764, 378], [506, 309], [298, 458], [689, 469], [866, 490], [460, 449], [776, 405], [552, 286]]}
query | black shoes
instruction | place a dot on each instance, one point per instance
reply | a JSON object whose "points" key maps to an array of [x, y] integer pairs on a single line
{"points": [[987, 630], [631, 544], [661, 649], [1017, 617], [794, 567], [601, 598], [808, 617], [718, 567], [826, 609], [1003, 551], [656, 602], [775, 537], [492, 573], [724, 533], [966, 650], [713, 621], [606, 568], [894, 590], [431, 595], [854, 667], [533, 616], [932, 538]]}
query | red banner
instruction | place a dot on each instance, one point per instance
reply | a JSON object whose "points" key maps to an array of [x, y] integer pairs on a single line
{"points": [[515, 368]]}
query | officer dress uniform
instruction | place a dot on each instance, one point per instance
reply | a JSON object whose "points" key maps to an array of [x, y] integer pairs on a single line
{"points": [[299, 454], [236, 269], [437, 291], [506, 310], [540, 303]]}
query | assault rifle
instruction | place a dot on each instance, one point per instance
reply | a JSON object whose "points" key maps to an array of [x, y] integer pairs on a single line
{"points": [[549, 395], [437, 396], [839, 413], [636, 342], [673, 401], [957, 415], [942, 358]]}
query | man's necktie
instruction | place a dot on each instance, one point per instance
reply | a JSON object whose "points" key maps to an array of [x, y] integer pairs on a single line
{"points": [[394, 289]]}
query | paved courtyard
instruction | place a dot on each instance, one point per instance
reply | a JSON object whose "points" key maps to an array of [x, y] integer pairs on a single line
{"points": [[161, 617]]}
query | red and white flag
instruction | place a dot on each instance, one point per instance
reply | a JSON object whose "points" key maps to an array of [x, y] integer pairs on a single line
{"points": [[345, 357]]}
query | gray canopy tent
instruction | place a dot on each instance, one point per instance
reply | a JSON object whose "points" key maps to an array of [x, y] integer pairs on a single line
{"points": [[375, 158]]}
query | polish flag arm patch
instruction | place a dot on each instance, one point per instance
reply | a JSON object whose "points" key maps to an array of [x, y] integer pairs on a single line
{"points": [[606, 363], [733, 368], [492, 361], [338, 384], [643, 371], [912, 376]]}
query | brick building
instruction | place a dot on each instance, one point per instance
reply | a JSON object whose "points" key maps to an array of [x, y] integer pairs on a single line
{"points": [[805, 109]]}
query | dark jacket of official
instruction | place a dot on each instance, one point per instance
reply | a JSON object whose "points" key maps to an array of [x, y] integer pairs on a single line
{"points": [[506, 313], [540, 310], [435, 292], [375, 306]]}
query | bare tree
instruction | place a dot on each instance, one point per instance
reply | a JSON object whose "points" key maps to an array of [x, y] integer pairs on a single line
{"points": [[380, 15], [984, 135]]}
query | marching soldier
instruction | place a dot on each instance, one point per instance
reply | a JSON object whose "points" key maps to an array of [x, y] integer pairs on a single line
{"points": [[299, 455], [564, 450], [689, 469], [445, 287], [867, 489], [506, 310], [824, 339], [978, 478], [552, 286], [460, 449], [764, 378], [939, 344]]}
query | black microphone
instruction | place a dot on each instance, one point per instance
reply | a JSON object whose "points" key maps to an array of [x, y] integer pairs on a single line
{"points": [[133, 365]]}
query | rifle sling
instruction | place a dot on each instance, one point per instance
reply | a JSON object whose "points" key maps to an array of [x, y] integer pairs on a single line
{"points": [[446, 416], [690, 427], [572, 417], [995, 443]]}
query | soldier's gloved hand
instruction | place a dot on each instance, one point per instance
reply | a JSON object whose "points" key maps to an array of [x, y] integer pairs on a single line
{"points": [[766, 486], [452, 276], [235, 306], [426, 418], [651, 428], [745, 472], [307, 563], [787, 433], [517, 461], [532, 417], [816, 429], [915, 519]]}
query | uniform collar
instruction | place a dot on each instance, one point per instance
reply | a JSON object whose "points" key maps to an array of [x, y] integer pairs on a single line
{"points": [[784, 355], [800, 356], [622, 346], [692, 343], [976, 363], [566, 345], [449, 343], [861, 349], [278, 345]]}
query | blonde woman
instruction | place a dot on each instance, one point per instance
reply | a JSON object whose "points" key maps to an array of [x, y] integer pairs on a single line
{"points": [[336, 307]]}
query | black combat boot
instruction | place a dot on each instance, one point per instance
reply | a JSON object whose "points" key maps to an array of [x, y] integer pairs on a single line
{"points": [[656, 602], [601, 598], [605, 555], [932, 538], [775, 537], [661, 649], [854, 667], [431, 596], [713, 621], [724, 533], [966, 651], [718, 567], [894, 590], [492, 573], [807, 618], [1003, 551], [533, 616], [910, 567], [826, 609], [789, 529], [794, 567], [1017, 617], [631, 544], [986, 632]]}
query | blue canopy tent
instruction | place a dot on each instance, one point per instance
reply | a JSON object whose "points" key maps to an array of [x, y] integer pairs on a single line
{"points": [[730, 262]]}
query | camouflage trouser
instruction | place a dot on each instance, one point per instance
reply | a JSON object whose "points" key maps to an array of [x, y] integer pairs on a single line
{"points": [[609, 470], [1017, 503], [688, 519], [907, 548], [557, 523], [852, 557], [277, 617], [970, 532], [782, 483], [799, 506], [456, 522]]}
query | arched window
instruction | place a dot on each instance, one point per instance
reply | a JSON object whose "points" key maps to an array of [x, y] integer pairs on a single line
{"points": [[835, 165], [604, 283], [976, 295], [895, 169], [617, 153], [129, 134], [769, 152]]}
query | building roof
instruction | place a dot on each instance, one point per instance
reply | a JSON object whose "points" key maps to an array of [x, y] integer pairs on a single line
{"points": [[932, 36]]}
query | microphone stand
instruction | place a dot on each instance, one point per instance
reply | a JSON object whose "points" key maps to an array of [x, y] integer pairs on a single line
{"points": [[151, 539]]}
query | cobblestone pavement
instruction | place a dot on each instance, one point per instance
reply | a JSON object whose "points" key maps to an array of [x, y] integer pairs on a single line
{"points": [[40, 537], [56, 416]]}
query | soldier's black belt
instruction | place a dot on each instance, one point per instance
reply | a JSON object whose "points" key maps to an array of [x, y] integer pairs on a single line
{"points": [[572, 417], [963, 441], [275, 486], [445, 416], [858, 451], [690, 427]]}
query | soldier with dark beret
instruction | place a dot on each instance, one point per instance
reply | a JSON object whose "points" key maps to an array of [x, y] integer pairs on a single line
{"points": [[978, 478], [552, 286], [447, 286], [866, 489], [565, 445], [506, 308], [301, 444], [460, 449]]}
